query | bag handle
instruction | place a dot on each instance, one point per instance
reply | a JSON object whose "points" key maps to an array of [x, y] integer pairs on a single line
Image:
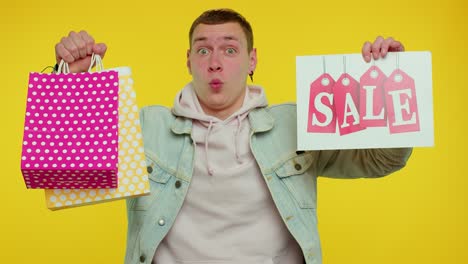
{"points": [[95, 59]]}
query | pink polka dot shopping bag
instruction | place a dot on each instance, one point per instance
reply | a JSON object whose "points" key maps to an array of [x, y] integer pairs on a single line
{"points": [[71, 129]]}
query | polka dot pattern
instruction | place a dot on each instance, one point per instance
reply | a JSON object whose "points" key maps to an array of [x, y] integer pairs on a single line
{"points": [[71, 131], [132, 176]]}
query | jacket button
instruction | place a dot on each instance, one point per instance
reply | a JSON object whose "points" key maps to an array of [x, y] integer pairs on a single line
{"points": [[178, 184], [142, 258], [298, 166], [161, 222], [149, 169]]}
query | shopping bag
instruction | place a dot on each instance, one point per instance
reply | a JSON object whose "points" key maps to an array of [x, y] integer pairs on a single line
{"points": [[132, 175], [70, 135]]}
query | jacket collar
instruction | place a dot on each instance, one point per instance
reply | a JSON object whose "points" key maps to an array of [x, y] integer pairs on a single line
{"points": [[182, 125], [260, 121]]}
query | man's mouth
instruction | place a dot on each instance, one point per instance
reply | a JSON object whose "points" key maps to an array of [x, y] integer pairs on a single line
{"points": [[216, 84]]}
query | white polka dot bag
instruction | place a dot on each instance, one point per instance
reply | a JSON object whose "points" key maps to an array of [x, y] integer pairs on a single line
{"points": [[132, 175], [70, 136]]}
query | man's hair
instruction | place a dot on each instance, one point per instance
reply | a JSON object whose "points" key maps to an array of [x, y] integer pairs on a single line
{"points": [[221, 16]]}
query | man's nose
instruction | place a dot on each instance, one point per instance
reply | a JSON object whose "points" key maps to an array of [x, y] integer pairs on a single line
{"points": [[215, 64]]}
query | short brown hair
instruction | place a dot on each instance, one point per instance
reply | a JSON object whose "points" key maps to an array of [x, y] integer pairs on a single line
{"points": [[221, 16]]}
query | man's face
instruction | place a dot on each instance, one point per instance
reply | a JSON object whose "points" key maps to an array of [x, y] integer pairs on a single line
{"points": [[220, 63]]}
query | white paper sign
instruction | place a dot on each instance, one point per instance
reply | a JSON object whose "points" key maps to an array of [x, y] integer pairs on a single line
{"points": [[345, 103]]}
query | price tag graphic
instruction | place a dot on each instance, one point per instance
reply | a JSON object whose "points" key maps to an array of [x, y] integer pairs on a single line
{"points": [[346, 91], [371, 98], [401, 103], [322, 118]]}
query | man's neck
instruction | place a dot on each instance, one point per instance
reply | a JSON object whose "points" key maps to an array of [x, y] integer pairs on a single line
{"points": [[221, 114], [224, 113]]}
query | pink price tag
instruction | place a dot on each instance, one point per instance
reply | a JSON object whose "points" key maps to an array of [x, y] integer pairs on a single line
{"points": [[322, 117], [346, 91], [402, 108], [372, 100]]}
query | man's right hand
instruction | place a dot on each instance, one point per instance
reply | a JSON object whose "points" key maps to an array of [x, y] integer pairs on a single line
{"points": [[76, 49]]}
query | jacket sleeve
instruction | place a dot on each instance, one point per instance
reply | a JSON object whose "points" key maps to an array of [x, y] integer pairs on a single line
{"points": [[361, 163]]}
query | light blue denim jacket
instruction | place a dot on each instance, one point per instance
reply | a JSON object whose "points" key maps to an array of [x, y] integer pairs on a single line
{"points": [[291, 176]]}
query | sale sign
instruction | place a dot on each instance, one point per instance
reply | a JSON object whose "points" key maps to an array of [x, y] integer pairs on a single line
{"points": [[383, 104]]}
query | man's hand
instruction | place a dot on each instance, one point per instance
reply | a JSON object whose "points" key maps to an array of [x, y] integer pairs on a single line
{"points": [[380, 47], [76, 49]]}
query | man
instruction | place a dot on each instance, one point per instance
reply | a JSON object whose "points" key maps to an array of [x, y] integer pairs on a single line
{"points": [[227, 184]]}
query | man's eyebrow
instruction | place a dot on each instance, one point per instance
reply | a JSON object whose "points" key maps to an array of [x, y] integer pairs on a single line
{"points": [[199, 39], [230, 38], [224, 38]]}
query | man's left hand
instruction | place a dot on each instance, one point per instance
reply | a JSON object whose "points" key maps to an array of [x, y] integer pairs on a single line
{"points": [[380, 48]]}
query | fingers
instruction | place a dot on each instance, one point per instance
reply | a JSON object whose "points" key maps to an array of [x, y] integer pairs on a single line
{"points": [[79, 44], [376, 47], [385, 45], [74, 47], [380, 48], [396, 46], [89, 42], [62, 53], [366, 51], [100, 49]]}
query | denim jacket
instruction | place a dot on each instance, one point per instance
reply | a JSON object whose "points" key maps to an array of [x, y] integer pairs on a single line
{"points": [[291, 175]]}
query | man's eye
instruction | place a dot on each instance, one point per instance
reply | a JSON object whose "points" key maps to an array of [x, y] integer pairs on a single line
{"points": [[231, 51], [203, 51]]}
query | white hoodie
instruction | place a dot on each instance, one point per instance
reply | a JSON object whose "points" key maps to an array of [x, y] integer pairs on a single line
{"points": [[228, 215]]}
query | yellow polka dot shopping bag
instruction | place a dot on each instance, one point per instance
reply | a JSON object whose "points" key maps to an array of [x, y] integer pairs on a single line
{"points": [[132, 175]]}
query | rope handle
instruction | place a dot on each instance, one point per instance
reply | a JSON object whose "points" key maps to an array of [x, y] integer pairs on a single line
{"points": [[95, 59]]}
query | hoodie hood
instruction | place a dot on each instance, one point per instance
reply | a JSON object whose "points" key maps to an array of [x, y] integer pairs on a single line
{"points": [[187, 105]]}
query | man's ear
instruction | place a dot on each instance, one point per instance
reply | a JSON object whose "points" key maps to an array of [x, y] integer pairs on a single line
{"points": [[252, 60], [188, 62]]}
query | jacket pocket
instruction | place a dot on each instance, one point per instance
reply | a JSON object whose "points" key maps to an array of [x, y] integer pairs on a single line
{"points": [[297, 175], [158, 179]]}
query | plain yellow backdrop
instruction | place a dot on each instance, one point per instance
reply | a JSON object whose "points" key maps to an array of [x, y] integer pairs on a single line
{"points": [[417, 215]]}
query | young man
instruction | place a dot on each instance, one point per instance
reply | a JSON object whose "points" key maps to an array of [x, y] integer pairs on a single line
{"points": [[227, 184]]}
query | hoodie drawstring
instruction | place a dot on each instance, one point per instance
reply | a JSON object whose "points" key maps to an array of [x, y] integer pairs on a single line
{"points": [[236, 139], [210, 170], [236, 144]]}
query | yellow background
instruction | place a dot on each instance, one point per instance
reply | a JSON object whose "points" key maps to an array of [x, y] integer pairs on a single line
{"points": [[417, 215]]}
